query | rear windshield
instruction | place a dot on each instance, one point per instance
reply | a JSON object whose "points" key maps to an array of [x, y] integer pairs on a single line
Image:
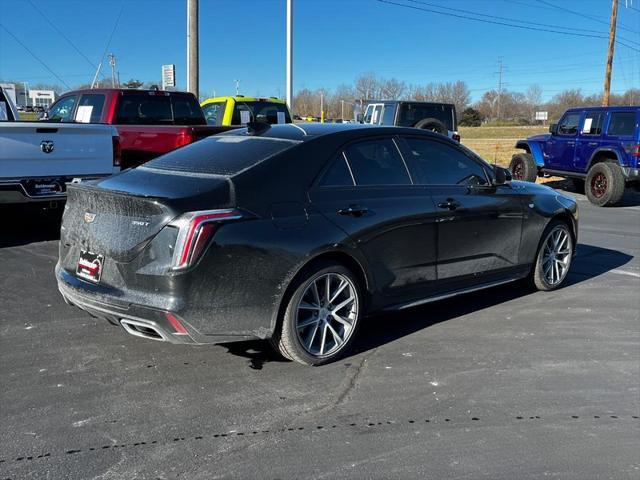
{"points": [[220, 155], [260, 112], [159, 109], [412, 113]]}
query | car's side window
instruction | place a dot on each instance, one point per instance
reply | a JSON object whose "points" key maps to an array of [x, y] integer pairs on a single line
{"points": [[63, 109], [388, 114], [338, 174], [93, 104], [592, 123], [377, 162], [435, 163], [569, 124], [622, 123]]}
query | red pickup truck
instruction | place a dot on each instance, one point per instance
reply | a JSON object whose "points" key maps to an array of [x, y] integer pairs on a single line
{"points": [[149, 122]]}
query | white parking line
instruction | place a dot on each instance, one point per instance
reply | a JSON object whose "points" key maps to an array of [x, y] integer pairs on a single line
{"points": [[623, 272]]}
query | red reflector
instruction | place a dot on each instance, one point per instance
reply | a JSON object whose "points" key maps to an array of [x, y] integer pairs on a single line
{"points": [[175, 323]]}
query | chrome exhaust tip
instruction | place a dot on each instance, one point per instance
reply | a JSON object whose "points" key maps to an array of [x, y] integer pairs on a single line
{"points": [[143, 329]]}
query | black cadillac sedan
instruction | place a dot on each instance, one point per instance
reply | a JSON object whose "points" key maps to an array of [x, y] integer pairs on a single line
{"points": [[295, 233]]}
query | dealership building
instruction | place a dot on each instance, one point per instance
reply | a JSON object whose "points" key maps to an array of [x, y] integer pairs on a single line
{"points": [[42, 98]]}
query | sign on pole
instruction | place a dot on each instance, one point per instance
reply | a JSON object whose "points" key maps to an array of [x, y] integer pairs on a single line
{"points": [[542, 116], [168, 76]]}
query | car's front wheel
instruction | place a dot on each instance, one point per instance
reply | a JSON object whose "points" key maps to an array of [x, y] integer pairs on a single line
{"points": [[321, 315], [554, 256]]}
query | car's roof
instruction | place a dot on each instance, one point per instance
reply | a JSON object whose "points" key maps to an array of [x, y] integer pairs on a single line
{"points": [[412, 102], [626, 108], [307, 131], [122, 90], [242, 98]]}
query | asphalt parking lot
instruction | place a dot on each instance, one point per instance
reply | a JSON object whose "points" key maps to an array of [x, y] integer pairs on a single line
{"points": [[502, 384]]}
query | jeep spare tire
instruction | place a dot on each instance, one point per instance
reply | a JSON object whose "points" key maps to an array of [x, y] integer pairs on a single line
{"points": [[434, 125]]}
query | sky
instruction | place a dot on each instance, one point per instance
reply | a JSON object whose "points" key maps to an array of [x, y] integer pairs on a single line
{"points": [[334, 42]]}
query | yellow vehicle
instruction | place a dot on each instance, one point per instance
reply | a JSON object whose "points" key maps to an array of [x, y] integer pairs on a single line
{"points": [[240, 110]]}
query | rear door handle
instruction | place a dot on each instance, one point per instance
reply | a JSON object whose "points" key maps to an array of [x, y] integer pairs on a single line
{"points": [[353, 210], [450, 204]]}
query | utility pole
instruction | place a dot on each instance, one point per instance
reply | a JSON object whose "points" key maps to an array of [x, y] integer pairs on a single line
{"points": [[112, 64], [321, 107], [499, 72], [237, 87], [342, 110], [193, 53], [26, 93], [612, 41], [289, 87]]}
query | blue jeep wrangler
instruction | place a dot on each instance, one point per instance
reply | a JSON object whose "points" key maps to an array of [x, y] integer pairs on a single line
{"points": [[598, 148]]}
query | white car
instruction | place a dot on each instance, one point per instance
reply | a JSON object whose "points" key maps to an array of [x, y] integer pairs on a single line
{"points": [[38, 159]]}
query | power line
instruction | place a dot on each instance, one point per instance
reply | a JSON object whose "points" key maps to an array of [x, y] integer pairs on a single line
{"points": [[493, 22], [35, 56], [53, 25], [503, 18], [590, 17]]}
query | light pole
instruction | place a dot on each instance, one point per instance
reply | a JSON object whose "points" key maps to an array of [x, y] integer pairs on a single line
{"points": [[342, 110], [289, 94], [321, 107], [26, 93], [193, 69]]}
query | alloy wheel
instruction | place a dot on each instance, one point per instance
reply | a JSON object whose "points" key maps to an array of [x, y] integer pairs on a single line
{"points": [[556, 255], [326, 314], [599, 185]]}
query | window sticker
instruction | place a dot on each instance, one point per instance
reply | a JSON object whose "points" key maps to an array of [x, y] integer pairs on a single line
{"points": [[281, 118], [245, 117], [587, 125], [3, 112], [83, 115]]}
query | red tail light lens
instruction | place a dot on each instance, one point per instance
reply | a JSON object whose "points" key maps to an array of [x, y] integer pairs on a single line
{"points": [[117, 151], [195, 231], [636, 151], [184, 138]]}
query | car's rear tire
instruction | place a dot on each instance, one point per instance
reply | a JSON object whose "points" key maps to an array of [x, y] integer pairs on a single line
{"points": [[523, 167], [321, 316], [605, 184], [433, 125], [554, 256]]}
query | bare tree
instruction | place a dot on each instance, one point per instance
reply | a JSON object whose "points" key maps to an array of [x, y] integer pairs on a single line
{"points": [[367, 86], [392, 89]]}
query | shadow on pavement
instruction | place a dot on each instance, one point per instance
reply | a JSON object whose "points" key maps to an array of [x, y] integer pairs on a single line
{"points": [[28, 225], [380, 329]]}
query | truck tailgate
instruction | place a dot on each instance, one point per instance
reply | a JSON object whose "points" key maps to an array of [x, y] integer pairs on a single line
{"points": [[38, 149]]}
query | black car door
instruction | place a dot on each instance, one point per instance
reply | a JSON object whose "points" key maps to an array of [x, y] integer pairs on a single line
{"points": [[367, 191], [479, 225]]}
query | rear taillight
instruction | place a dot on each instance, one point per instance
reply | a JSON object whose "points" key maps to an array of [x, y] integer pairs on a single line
{"points": [[195, 232], [184, 138], [117, 151], [636, 151]]}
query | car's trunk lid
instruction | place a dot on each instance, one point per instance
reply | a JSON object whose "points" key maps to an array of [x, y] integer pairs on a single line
{"points": [[117, 217]]}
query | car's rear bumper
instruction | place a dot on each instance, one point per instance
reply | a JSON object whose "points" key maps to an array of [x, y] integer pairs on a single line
{"points": [[22, 190], [139, 320], [631, 174]]}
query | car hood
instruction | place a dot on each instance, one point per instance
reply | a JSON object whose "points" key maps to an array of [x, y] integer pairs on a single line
{"points": [[543, 137]]}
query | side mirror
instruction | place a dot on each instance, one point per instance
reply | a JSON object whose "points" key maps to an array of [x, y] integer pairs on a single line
{"points": [[360, 118], [553, 129], [502, 176]]}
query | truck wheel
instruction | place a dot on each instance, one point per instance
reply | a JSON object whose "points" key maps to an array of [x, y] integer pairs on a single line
{"points": [[434, 125], [321, 317], [523, 167], [554, 256], [605, 184], [578, 184]]}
